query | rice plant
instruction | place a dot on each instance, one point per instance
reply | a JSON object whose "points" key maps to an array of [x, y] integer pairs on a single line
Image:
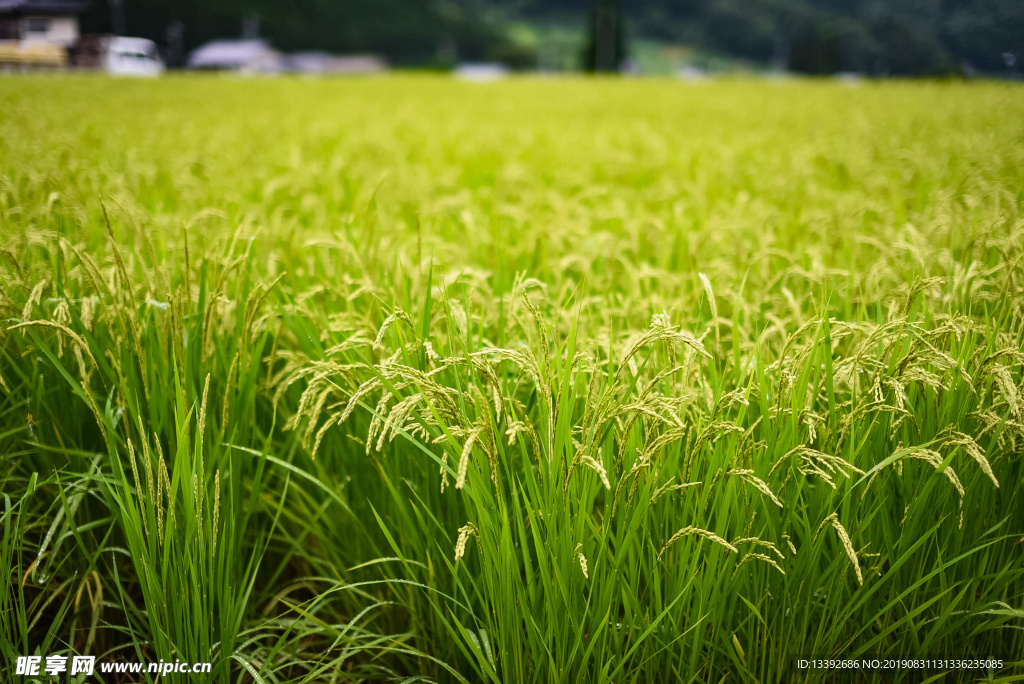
{"points": [[565, 381]]}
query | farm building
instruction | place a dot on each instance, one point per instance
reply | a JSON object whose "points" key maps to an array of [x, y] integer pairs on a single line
{"points": [[41, 21], [38, 32]]}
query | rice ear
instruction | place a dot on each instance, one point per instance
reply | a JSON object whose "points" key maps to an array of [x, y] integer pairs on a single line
{"points": [[845, 539], [690, 530]]}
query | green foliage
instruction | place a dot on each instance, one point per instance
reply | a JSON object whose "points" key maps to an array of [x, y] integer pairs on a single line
{"points": [[575, 381], [898, 37]]}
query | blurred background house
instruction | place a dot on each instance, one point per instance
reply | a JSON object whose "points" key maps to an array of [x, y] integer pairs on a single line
{"points": [[39, 33], [252, 54]]}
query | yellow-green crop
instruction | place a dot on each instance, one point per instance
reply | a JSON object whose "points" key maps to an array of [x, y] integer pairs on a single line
{"points": [[542, 380]]}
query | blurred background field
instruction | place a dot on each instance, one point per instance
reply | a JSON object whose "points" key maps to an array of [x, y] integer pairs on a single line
{"points": [[899, 37], [552, 379], [971, 38]]}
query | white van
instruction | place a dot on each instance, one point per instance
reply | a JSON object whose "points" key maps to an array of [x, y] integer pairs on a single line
{"points": [[132, 57]]}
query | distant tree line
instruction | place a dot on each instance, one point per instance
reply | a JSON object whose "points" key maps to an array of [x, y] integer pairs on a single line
{"points": [[898, 37]]}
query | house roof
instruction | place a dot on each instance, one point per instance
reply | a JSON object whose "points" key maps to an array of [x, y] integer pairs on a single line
{"points": [[44, 7]]}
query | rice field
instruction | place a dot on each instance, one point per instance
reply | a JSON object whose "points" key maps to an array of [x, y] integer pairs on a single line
{"points": [[408, 379]]}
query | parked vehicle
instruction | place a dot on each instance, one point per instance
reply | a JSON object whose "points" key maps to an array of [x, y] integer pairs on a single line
{"points": [[250, 56], [120, 55]]}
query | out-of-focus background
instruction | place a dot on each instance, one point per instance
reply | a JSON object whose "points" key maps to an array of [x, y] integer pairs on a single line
{"points": [[488, 38]]}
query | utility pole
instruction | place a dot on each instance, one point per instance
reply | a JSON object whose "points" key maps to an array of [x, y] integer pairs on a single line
{"points": [[117, 17], [251, 27], [604, 38], [780, 54], [175, 44], [605, 49]]}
